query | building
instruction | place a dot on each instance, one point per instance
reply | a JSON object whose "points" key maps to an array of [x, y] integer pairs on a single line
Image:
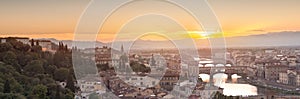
{"points": [[106, 55], [142, 82], [90, 84], [292, 60], [283, 78], [24, 40], [169, 80], [272, 72], [290, 77], [46, 45], [103, 55]]}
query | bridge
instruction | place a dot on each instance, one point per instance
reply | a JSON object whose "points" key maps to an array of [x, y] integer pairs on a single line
{"points": [[225, 69]]}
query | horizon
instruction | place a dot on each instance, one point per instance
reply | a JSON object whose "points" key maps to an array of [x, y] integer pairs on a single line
{"points": [[270, 40], [59, 20]]}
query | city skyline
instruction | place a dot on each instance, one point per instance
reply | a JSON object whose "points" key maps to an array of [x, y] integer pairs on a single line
{"points": [[149, 49]]}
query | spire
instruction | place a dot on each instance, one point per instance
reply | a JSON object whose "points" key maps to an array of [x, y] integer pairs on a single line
{"points": [[153, 62], [122, 49]]}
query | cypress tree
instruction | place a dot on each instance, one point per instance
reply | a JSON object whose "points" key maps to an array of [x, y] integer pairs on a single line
{"points": [[57, 93], [37, 43], [6, 87], [32, 42], [70, 83]]}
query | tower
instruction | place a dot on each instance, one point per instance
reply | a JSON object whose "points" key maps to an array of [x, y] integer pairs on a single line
{"points": [[152, 61], [122, 49]]}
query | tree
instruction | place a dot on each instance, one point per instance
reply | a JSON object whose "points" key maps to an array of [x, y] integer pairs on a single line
{"points": [[5, 47], [40, 91], [61, 74], [23, 59], [59, 58], [219, 95], [11, 96], [137, 67], [57, 93], [32, 42], [36, 48], [6, 87], [24, 48], [51, 70], [34, 67], [37, 43], [70, 83], [200, 80], [10, 58]]}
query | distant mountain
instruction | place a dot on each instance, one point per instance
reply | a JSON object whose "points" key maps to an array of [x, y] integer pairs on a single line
{"points": [[277, 39]]}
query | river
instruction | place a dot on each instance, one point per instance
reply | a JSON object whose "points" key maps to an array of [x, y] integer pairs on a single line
{"points": [[233, 87]]}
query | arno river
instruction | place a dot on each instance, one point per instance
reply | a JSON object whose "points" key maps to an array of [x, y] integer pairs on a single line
{"points": [[232, 87]]}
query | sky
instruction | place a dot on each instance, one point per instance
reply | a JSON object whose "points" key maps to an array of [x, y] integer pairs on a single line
{"points": [[58, 19]]}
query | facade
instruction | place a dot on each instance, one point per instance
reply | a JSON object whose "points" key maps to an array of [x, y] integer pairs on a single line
{"points": [[292, 60], [104, 56], [290, 77], [90, 83], [272, 72], [169, 80], [45, 44], [283, 78], [143, 82]]}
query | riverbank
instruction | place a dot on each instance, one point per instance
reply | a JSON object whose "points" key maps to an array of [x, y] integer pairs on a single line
{"points": [[278, 89]]}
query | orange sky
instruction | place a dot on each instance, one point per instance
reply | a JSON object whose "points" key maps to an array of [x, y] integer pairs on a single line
{"points": [[51, 19]]}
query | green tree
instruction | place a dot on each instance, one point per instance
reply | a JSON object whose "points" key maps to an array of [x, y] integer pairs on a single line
{"points": [[57, 92], [61, 74], [34, 67], [36, 48], [6, 87], [11, 96], [23, 59], [70, 83], [19, 45], [5, 47], [219, 95], [50, 70], [40, 91], [137, 67], [10, 58], [200, 80]]}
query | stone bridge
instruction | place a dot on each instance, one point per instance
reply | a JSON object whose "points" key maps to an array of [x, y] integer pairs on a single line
{"points": [[225, 69]]}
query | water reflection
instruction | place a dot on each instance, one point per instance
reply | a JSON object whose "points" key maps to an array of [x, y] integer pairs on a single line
{"points": [[232, 87]]}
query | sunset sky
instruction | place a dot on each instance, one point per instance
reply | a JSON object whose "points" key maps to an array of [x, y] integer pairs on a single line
{"points": [[58, 18]]}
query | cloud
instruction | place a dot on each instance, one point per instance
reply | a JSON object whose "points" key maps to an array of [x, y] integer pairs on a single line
{"points": [[257, 30]]}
